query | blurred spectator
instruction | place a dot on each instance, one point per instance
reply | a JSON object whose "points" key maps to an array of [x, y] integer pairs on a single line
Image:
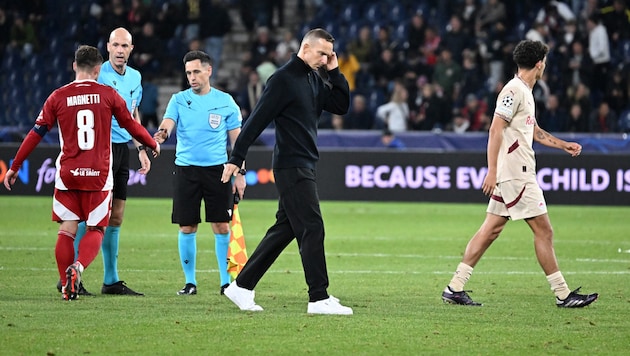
{"points": [[363, 46], [137, 16], [337, 122], [214, 24], [430, 45], [384, 41], [389, 140], [23, 36], [616, 19], [580, 94], [263, 47], [358, 117], [617, 91], [599, 50], [394, 114], [386, 69], [490, 13], [553, 15], [602, 119], [554, 118], [491, 98], [246, 11], [113, 16], [578, 66], [266, 68], [472, 78], [148, 51], [460, 124], [456, 39], [167, 19], [415, 33], [468, 12], [538, 32], [190, 25], [249, 96], [541, 93], [287, 46], [349, 66], [429, 111], [149, 103], [448, 75], [473, 112], [578, 120]]}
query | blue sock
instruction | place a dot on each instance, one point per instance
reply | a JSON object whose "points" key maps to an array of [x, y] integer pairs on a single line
{"points": [[110, 254], [221, 244], [188, 255], [80, 233]]}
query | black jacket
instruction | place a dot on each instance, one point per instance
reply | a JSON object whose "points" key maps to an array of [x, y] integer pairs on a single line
{"points": [[289, 101]]}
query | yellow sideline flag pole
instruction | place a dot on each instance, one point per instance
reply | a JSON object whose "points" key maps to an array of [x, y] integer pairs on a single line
{"points": [[237, 251]]}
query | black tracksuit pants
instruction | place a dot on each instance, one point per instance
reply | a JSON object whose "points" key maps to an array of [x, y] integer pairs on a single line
{"points": [[299, 217]]}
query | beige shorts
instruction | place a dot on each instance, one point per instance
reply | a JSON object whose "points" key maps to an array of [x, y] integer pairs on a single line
{"points": [[517, 199]]}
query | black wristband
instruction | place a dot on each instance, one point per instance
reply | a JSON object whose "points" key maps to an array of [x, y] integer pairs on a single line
{"points": [[242, 171], [141, 148]]}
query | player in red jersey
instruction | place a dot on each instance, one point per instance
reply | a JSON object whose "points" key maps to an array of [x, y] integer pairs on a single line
{"points": [[83, 183]]}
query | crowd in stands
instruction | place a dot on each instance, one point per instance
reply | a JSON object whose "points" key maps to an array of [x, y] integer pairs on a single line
{"points": [[429, 65]]}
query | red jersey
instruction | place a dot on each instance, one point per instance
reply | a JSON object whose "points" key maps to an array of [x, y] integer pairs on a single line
{"points": [[83, 110]]}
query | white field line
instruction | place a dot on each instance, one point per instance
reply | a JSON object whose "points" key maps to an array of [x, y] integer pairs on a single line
{"points": [[358, 255], [284, 271]]}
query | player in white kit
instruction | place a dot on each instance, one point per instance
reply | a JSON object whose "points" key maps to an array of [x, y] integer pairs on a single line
{"points": [[511, 180]]}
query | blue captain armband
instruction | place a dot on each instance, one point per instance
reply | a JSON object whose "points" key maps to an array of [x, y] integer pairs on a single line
{"points": [[40, 129]]}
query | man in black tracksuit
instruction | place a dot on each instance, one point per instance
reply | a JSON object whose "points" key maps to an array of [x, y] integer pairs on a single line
{"points": [[294, 98]]}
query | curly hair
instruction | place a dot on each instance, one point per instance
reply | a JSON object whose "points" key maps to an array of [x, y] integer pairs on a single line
{"points": [[527, 53]]}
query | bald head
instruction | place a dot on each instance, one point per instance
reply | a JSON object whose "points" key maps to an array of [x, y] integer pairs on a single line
{"points": [[119, 48], [120, 33]]}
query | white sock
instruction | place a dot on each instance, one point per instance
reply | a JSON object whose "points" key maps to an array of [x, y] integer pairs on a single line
{"points": [[558, 285], [462, 275]]}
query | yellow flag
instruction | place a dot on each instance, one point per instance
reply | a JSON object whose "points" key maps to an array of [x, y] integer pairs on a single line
{"points": [[237, 253]]}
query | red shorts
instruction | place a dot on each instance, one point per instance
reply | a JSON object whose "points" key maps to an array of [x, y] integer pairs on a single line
{"points": [[92, 207]]}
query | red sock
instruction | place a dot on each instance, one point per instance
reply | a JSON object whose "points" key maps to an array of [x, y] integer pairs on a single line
{"points": [[64, 253], [89, 246]]}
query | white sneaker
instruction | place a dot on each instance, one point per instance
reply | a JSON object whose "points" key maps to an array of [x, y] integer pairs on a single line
{"points": [[243, 298], [328, 306]]}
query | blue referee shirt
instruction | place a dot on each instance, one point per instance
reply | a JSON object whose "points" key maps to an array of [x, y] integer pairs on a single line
{"points": [[129, 86], [202, 123]]}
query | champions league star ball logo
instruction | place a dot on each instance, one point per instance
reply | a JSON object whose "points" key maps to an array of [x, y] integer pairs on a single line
{"points": [[507, 101]]}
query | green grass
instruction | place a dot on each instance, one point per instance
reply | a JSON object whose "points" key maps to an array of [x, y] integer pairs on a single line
{"points": [[389, 261]]}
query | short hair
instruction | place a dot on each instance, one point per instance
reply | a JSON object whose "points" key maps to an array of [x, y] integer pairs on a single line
{"points": [[527, 53], [200, 55], [87, 57], [318, 33]]}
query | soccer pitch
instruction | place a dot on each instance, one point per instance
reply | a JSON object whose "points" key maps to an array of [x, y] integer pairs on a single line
{"points": [[388, 261]]}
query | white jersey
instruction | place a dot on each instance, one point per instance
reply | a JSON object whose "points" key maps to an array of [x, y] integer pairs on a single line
{"points": [[515, 104]]}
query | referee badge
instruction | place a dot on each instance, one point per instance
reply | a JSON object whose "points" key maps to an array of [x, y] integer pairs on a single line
{"points": [[214, 120]]}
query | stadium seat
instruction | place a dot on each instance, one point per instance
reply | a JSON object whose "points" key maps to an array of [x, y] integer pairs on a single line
{"points": [[374, 12], [15, 80], [351, 13], [12, 61], [397, 14]]}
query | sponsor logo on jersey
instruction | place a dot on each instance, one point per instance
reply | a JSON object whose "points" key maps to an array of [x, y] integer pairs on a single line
{"points": [[85, 172]]}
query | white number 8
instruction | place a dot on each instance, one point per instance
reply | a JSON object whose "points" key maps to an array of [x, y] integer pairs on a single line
{"points": [[85, 135]]}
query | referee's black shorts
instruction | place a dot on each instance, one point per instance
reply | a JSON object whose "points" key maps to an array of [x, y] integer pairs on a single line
{"points": [[191, 184], [120, 170]]}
